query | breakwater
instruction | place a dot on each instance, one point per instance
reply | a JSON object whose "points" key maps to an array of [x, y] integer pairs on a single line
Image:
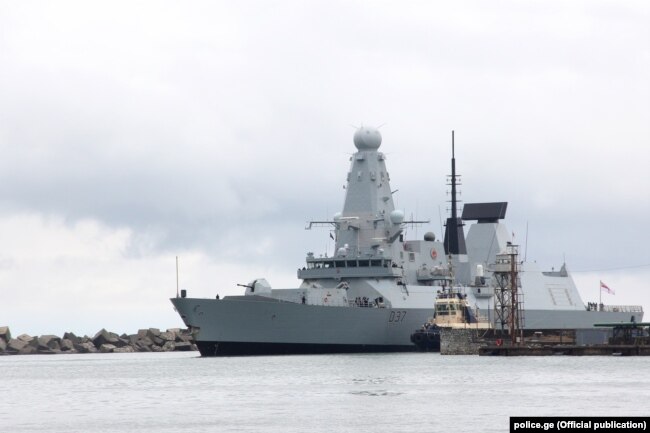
{"points": [[146, 340]]}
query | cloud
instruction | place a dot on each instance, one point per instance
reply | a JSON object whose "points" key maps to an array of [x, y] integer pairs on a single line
{"points": [[214, 131]]}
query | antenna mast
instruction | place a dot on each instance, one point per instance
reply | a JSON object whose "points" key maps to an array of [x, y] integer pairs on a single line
{"points": [[454, 212], [454, 241]]}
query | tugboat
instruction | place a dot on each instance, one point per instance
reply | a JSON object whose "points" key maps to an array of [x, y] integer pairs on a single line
{"points": [[452, 310]]}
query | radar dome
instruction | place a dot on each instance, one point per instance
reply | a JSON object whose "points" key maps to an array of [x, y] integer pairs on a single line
{"points": [[429, 236], [337, 216], [397, 216], [367, 138]]}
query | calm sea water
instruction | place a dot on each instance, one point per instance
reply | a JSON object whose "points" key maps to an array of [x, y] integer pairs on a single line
{"points": [[412, 393]]}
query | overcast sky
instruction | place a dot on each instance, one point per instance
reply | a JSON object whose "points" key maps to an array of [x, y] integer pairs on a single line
{"points": [[135, 132]]}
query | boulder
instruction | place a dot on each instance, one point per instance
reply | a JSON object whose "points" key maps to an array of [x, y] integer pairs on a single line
{"points": [[49, 342], [140, 347], [143, 345], [125, 349], [181, 338], [183, 346], [146, 341], [156, 348], [185, 337], [15, 345], [105, 337], [5, 334], [167, 336], [168, 346], [28, 350], [86, 347], [107, 348], [67, 346], [72, 337], [3, 345], [26, 338], [153, 333]]}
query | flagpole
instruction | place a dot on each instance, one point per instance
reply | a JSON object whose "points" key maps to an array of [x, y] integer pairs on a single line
{"points": [[600, 291]]}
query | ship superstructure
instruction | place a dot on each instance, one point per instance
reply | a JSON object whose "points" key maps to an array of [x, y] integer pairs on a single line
{"points": [[378, 287]]}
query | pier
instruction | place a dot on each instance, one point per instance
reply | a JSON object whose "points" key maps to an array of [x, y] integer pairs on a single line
{"points": [[571, 350], [628, 339]]}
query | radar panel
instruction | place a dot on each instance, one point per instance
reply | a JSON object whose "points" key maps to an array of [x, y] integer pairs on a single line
{"points": [[485, 212]]}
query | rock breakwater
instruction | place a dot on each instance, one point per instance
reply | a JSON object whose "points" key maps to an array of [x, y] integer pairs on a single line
{"points": [[146, 340]]}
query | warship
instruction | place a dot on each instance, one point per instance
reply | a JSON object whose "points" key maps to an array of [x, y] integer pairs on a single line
{"points": [[378, 287]]}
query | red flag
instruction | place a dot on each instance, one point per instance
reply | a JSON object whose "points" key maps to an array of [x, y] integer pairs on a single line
{"points": [[604, 288]]}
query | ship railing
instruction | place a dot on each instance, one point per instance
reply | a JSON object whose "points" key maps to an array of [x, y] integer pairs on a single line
{"points": [[622, 308]]}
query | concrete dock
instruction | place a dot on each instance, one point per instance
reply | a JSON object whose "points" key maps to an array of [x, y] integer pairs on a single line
{"points": [[563, 349]]}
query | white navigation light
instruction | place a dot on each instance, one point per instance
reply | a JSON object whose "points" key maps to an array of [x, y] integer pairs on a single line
{"points": [[397, 216], [367, 138]]}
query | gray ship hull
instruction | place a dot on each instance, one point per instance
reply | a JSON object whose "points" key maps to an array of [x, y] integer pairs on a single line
{"points": [[254, 325], [251, 325]]}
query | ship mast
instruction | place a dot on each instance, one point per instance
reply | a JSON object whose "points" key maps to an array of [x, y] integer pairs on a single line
{"points": [[454, 236], [454, 210]]}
